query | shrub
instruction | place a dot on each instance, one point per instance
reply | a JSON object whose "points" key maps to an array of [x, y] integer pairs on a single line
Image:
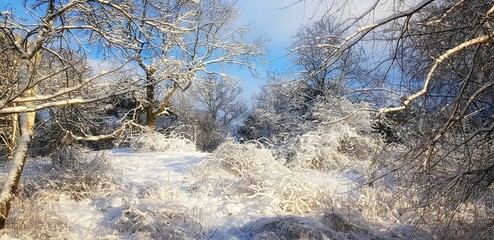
{"points": [[151, 211], [289, 227], [71, 172], [330, 226], [252, 171], [71, 176], [155, 221], [37, 218], [343, 139], [152, 141], [338, 148]]}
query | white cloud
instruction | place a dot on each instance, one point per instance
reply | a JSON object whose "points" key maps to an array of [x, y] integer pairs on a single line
{"points": [[279, 20]]}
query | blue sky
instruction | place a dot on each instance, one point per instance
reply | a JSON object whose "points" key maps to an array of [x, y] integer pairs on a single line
{"points": [[278, 21]]}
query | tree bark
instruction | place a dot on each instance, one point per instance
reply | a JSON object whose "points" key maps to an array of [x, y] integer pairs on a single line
{"points": [[150, 95], [26, 121], [150, 116], [14, 134]]}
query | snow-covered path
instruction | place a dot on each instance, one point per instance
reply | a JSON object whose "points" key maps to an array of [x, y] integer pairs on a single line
{"points": [[158, 167], [170, 170]]}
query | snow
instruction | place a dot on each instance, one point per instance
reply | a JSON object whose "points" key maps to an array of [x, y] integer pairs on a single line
{"points": [[81, 215], [161, 185], [163, 168], [170, 169], [335, 182]]}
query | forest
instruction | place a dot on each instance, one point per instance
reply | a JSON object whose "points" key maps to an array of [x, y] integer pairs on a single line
{"points": [[121, 119]]}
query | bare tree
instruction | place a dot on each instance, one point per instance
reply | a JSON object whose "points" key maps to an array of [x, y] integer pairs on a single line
{"points": [[66, 32], [210, 109], [207, 41], [220, 99], [156, 45], [312, 47]]}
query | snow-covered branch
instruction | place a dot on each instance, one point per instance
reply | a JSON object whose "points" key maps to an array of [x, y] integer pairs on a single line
{"points": [[437, 63]]}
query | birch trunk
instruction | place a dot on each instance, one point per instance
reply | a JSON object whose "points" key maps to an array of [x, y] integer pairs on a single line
{"points": [[26, 121]]}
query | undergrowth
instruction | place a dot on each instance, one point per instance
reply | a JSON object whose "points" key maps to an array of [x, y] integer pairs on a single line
{"points": [[343, 139], [153, 141], [154, 212], [80, 179], [253, 172], [72, 174], [37, 218], [153, 221], [328, 226]]}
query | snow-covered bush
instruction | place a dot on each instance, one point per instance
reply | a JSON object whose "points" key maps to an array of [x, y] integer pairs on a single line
{"points": [[398, 210], [329, 226], [151, 220], [70, 158], [72, 172], [342, 140], [376, 205], [289, 227], [467, 221], [36, 218], [329, 132], [71, 175], [253, 172], [382, 206], [152, 141], [151, 211], [295, 193], [328, 149]]}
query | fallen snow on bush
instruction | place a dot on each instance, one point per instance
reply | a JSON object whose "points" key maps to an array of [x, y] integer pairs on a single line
{"points": [[249, 171], [336, 144], [152, 141]]}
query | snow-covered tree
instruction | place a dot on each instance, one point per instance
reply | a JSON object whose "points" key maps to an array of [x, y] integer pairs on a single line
{"points": [[156, 44], [312, 46], [66, 34], [285, 107], [432, 59], [332, 132], [277, 115], [207, 42], [209, 110]]}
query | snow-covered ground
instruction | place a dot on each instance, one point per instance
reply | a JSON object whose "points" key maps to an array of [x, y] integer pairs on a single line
{"points": [[158, 193], [170, 170]]}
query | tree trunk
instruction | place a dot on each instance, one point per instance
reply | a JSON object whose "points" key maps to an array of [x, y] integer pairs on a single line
{"points": [[26, 121], [17, 166], [14, 134], [150, 116]]}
